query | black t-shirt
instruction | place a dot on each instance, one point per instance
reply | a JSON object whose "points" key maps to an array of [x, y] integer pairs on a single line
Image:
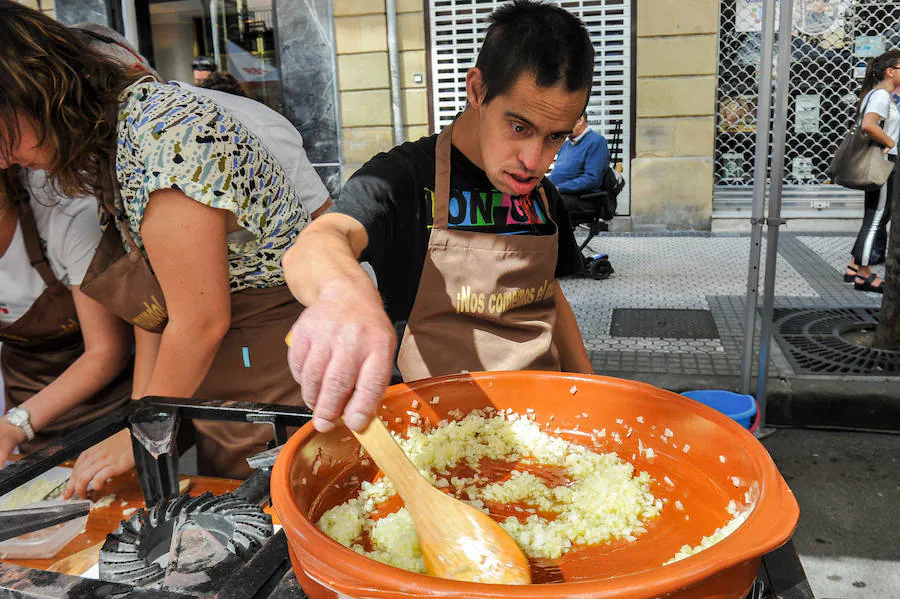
{"points": [[391, 195]]}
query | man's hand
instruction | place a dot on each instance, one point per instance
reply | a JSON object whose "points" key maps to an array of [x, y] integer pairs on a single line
{"points": [[109, 458], [342, 351]]}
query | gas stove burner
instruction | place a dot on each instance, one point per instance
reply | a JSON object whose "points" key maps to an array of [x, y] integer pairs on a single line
{"points": [[137, 551]]}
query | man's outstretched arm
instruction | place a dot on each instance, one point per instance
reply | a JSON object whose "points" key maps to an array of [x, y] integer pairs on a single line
{"points": [[342, 346]]}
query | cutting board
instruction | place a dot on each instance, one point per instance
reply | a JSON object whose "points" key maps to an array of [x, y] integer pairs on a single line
{"points": [[40, 485]]}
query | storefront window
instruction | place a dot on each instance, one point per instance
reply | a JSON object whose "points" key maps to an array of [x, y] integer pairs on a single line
{"points": [[830, 44], [245, 35], [237, 36]]}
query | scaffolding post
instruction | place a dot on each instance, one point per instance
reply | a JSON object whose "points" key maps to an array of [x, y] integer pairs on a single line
{"points": [[760, 167], [774, 220]]}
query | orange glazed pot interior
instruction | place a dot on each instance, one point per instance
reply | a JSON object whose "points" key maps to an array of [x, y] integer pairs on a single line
{"points": [[703, 461]]}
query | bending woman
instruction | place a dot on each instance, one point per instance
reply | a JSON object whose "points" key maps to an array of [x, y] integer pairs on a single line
{"points": [[205, 211], [881, 122], [64, 355]]}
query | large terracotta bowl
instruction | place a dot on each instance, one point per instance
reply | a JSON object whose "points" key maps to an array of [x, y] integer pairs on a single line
{"points": [[723, 463]]}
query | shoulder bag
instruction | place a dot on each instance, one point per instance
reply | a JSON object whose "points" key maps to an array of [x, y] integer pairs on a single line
{"points": [[860, 162]]}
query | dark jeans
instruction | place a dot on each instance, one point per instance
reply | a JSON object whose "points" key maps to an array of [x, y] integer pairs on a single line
{"points": [[583, 210], [871, 242]]}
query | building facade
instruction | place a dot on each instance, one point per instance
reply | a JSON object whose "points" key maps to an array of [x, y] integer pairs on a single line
{"points": [[675, 83]]}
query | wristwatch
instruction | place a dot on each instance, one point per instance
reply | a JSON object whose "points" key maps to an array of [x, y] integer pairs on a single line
{"points": [[21, 418]]}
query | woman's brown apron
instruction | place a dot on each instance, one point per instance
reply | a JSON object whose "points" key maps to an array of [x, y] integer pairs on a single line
{"points": [[46, 340], [485, 302], [121, 279], [250, 364]]}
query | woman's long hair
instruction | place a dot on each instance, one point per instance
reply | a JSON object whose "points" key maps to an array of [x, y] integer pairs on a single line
{"points": [[875, 72], [66, 90]]}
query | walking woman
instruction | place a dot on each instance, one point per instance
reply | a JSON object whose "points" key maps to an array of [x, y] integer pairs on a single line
{"points": [[64, 355], [204, 211], [881, 122]]}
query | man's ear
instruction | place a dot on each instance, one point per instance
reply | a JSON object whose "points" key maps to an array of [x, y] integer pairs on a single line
{"points": [[475, 90]]}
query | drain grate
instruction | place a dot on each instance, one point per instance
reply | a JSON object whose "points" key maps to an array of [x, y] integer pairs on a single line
{"points": [[663, 324], [817, 341]]}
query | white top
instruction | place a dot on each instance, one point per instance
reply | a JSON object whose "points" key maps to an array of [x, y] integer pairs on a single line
{"points": [[70, 233], [879, 101], [279, 136]]}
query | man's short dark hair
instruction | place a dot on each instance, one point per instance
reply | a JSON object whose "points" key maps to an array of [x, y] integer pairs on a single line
{"points": [[204, 63], [544, 40]]}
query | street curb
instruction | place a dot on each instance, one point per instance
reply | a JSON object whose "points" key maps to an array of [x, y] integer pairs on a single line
{"points": [[816, 402]]}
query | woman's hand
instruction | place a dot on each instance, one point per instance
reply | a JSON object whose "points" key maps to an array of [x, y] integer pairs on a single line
{"points": [[10, 436], [111, 457]]}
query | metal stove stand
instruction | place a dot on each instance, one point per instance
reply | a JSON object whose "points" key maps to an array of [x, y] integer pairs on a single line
{"points": [[155, 423], [781, 576]]}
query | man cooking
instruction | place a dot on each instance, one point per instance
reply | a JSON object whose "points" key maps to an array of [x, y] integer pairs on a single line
{"points": [[465, 236]]}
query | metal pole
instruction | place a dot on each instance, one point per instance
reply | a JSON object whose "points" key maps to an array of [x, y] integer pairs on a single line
{"points": [[760, 166], [129, 23], [394, 65], [782, 85], [214, 25]]}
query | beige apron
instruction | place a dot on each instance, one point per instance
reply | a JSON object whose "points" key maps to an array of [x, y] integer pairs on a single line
{"points": [[46, 340], [250, 364], [485, 302]]}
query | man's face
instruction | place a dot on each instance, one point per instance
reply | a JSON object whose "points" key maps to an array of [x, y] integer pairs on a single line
{"points": [[27, 152], [199, 76], [521, 130]]}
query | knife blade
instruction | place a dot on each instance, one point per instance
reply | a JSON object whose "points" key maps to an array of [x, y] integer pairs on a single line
{"points": [[56, 492], [14, 523]]}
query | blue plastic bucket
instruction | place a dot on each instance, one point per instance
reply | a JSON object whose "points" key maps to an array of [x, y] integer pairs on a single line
{"points": [[738, 407]]}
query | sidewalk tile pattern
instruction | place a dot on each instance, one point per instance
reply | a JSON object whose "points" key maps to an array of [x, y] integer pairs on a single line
{"points": [[701, 271]]}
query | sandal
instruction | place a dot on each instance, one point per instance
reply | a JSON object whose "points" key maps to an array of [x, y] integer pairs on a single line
{"points": [[867, 285], [850, 278]]}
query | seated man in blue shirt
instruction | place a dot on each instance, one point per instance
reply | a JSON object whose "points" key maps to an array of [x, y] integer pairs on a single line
{"points": [[582, 161], [580, 167]]}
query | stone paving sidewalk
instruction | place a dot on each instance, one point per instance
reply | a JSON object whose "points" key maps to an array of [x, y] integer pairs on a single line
{"points": [[706, 271]]}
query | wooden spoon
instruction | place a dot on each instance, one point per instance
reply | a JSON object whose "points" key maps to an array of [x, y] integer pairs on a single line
{"points": [[457, 541]]}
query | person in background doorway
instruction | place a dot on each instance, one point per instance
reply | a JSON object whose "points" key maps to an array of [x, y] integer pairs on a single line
{"points": [[223, 81], [203, 67], [881, 122], [466, 237], [582, 161]]}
